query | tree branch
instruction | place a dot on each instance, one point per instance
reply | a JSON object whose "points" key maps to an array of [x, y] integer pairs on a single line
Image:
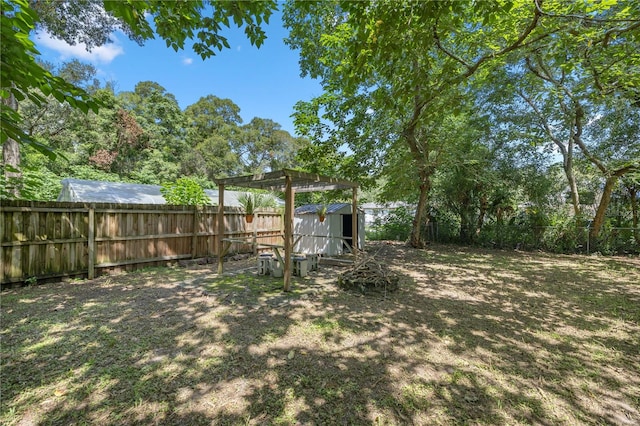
{"points": [[515, 45], [625, 169], [445, 51], [544, 125], [581, 17]]}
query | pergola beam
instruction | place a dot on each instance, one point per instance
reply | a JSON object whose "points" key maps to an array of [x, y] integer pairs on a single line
{"points": [[276, 181]]}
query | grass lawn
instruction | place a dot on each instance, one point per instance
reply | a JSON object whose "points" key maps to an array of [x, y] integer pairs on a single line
{"points": [[472, 337]]}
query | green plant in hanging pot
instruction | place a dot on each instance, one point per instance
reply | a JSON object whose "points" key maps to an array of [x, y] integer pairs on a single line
{"points": [[321, 211], [250, 203]]}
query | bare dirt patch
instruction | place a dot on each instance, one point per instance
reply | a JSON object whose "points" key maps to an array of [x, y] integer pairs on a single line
{"points": [[471, 337]]}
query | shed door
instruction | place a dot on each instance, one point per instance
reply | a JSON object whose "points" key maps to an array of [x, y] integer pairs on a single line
{"points": [[347, 233]]}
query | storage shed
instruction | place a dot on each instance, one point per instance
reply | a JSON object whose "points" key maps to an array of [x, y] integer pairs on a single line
{"points": [[331, 237]]}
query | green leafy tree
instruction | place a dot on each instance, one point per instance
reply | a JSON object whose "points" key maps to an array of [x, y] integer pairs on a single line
{"points": [[213, 124], [91, 22], [404, 61], [151, 132], [25, 78], [263, 147], [573, 83]]}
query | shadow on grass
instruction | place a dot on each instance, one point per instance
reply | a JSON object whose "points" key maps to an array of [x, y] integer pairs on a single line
{"points": [[472, 337]]}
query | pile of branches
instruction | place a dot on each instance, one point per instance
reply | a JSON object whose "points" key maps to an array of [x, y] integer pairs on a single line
{"points": [[369, 275]]}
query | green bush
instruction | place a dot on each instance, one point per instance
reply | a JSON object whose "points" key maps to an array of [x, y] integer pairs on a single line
{"points": [[184, 192], [394, 226]]}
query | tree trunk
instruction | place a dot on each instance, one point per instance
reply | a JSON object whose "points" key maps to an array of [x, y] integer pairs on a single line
{"points": [[567, 164], [484, 206], [420, 154], [11, 157], [416, 231], [598, 220]]}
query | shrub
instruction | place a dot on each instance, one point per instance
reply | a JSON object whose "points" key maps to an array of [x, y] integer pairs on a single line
{"points": [[394, 226], [184, 192]]}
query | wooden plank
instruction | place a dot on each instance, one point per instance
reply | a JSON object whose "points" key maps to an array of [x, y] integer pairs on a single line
{"points": [[42, 209], [57, 227], [354, 222], [43, 242], [16, 269], [151, 211], [142, 246], [195, 223], [91, 244], [220, 220], [16, 263], [3, 253], [72, 258], [148, 260], [63, 264]]}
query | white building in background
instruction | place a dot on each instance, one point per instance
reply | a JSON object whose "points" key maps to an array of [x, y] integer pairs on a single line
{"points": [[93, 191], [373, 211]]}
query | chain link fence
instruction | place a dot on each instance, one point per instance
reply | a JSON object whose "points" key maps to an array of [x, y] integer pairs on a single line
{"points": [[557, 239]]}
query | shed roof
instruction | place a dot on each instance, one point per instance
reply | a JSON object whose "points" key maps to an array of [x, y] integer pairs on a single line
{"points": [[93, 191]]}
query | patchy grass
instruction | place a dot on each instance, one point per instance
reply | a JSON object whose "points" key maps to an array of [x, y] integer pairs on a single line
{"points": [[472, 337]]}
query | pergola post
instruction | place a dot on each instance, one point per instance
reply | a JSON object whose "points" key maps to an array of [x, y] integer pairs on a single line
{"points": [[220, 218], [354, 222], [288, 231]]}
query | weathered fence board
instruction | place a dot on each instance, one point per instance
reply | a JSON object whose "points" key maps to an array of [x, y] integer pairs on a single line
{"points": [[50, 239]]}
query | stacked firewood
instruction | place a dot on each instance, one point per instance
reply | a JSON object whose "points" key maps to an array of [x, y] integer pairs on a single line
{"points": [[368, 275]]}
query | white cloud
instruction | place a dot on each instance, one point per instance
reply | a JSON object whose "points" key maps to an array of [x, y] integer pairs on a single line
{"points": [[187, 61], [102, 54], [239, 48]]}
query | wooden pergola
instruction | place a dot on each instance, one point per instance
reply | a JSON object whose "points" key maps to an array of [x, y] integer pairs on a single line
{"points": [[289, 181]]}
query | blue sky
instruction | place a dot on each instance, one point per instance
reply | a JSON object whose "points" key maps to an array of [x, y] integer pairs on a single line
{"points": [[263, 82]]}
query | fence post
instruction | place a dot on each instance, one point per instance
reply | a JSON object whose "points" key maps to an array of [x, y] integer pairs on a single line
{"points": [[220, 223], [588, 238], [255, 234], [195, 227], [91, 242]]}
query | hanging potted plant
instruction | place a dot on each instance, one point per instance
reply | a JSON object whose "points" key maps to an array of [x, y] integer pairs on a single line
{"points": [[248, 203], [321, 212]]}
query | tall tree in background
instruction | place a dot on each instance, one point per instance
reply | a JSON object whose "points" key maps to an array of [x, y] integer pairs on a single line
{"points": [[91, 22], [150, 156], [573, 83], [263, 146], [402, 59], [213, 124], [409, 60], [22, 77]]}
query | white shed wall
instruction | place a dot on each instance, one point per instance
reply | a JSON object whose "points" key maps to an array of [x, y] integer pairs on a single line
{"points": [[324, 237]]}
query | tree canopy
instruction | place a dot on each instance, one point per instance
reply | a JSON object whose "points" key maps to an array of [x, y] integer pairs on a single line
{"points": [[482, 115], [394, 72], [91, 22]]}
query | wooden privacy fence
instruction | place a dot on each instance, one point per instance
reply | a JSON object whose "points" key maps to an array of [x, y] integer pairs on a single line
{"points": [[43, 240]]}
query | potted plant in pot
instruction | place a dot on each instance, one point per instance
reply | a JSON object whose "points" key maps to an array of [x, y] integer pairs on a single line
{"points": [[321, 212], [249, 203]]}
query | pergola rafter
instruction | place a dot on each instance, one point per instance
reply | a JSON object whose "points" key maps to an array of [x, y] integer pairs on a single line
{"points": [[289, 181]]}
